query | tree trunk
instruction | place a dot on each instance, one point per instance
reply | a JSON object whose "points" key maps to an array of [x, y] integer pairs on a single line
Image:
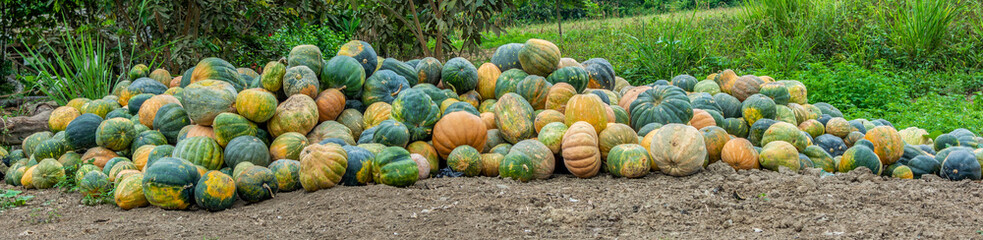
{"points": [[15, 129], [559, 21]]}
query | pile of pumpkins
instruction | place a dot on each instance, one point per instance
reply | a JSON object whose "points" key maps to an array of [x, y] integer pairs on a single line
{"points": [[216, 133]]}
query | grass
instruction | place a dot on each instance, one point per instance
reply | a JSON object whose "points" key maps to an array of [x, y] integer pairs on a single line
{"points": [[82, 70], [13, 198], [852, 54]]}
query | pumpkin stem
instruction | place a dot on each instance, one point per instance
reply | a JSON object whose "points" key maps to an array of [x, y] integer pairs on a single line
{"points": [[342, 88], [283, 60], [397, 90], [268, 189]]}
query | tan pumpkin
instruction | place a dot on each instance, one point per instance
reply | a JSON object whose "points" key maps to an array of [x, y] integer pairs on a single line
{"points": [[613, 135], [678, 150], [568, 62], [141, 154], [330, 103], [745, 86], [457, 129], [766, 79], [588, 108], [739, 153], [321, 166], [376, 113], [149, 108], [488, 75], [546, 117], [701, 119], [558, 96], [98, 156], [726, 80], [175, 82], [489, 119], [579, 150], [631, 95], [200, 131]]}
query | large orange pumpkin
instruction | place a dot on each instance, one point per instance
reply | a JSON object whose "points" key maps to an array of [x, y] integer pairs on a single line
{"points": [[98, 156], [149, 108], [457, 129], [330, 103], [588, 108], [579, 150], [739, 153], [726, 80]]}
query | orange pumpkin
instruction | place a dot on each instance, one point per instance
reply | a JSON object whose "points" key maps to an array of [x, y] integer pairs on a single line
{"points": [[98, 156], [888, 144], [141, 154], [175, 82], [631, 95], [588, 108], [376, 113], [200, 131], [489, 119], [579, 150], [149, 108], [739, 153], [714, 137], [457, 129], [558, 96], [701, 119], [546, 117], [487, 77], [330, 103], [726, 80]]}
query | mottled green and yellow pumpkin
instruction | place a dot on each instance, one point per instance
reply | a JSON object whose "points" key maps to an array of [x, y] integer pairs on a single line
{"points": [[546, 117], [757, 107], [129, 192], [428, 71], [322, 166], [782, 131], [551, 135], [215, 191], [256, 184], [859, 156], [539, 57], [363, 53], [393, 166], [517, 166], [628, 160], [205, 99], [820, 158], [202, 151], [217, 70], [115, 134], [558, 96], [535, 90], [300, 80], [169, 183], [507, 56], [601, 73], [796, 90], [777, 154], [613, 135], [288, 146], [888, 144], [297, 114], [587, 108], [543, 161], [677, 150], [515, 118], [256, 104], [465, 159], [61, 117], [99, 107], [839, 127], [287, 173]]}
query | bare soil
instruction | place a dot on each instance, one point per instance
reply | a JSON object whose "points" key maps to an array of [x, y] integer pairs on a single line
{"points": [[718, 203]]}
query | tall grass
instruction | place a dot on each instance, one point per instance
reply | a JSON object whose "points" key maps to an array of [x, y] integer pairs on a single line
{"points": [[82, 69], [669, 47], [919, 26], [784, 15]]}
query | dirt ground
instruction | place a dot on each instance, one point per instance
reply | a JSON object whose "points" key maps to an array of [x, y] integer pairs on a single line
{"points": [[718, 203]]}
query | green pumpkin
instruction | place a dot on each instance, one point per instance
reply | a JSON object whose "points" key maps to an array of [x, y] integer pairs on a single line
{"points": [[661, 104], [345, 73], [394, 167], [246, 149], [785, 114], [359, 169], [777, 154], [305, 55], [601, 73], [138, 71], [417, 112], [517, 166], [391, 133], [215, 191], [535, 90], [216, 69], [460, 75], [363, 53], [628, 160], [550, 135], [859, 156], [383, 86], [272, 77], [575, 76], [428, 70], [170, 119], [736, 127], [923, 164], [704, 101], [94, 184], [514, 117], [506, 57], [157, 153], [202, 151], [401, 68], [730, 107], [332, 130], [255, 184], [288, 146], [820, 158], [828, 109], [287, 173], [100, 107], [32, 141], [119, 113], [133, 106], [757, 107], [957, 165], [228, 126], [459, 107], [49, 171], [507, 81], [300, 80], [107, 169], [148, 137], [539, 57], [51, 148], [145, 85], [81, 171], [543, 162], [685, 81], [353, 120], [170, 183], [115, 134], [776, 91], [465, 159], [81, 132], [707, 86], [206, 99]]}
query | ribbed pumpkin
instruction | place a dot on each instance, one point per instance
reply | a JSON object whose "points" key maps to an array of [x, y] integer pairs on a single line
{"points": [[678, 150], [812, 127], [539, 57], [228, 126], [580, 153], [488, 75], [507, 56], [546, 117], [305, 55], [543, 161], [796, 91], [888, 144], [216, 69], [782, 131], [460, 75], [375, 114], [383, 86], [363, 53], [322, 166], [956, 166], [169, 120], [839, 127], [344, 73], [143, 85], [601, 73], [707, 86], [465, 159], [215, 191], [587, 108], [577, 77], [428, 71], [99, 107], [859, 156], [489, 119], [205, 99], [287, 173], [169, 183], [776, 91], [715, 138], [300, 80], [745, 86], [630, 95], [535, 90], [552, 136], [255, 184], [417, 112], [201, 151], [61, 117], [115, 134], [47, 173], [331, 129], [726, 80], [515, 118], [272, 77], [457, 129], [297, 114], [359, 171], [352, 119], [558, 97], [777, 154], [148, 137], [288, 146], [701, 119], [613, 135], [740, 154], [246, 149], [661, 104], [628, 160], [129, 192], [257, 104], [757, 107], [517, 166], [98, 156], [393, 166]]}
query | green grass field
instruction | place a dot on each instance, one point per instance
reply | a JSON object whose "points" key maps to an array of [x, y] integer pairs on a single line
{"points": [[845, 52]]}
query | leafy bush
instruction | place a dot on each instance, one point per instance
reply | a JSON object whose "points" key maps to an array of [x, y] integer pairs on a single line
{"points": [[919, 26], [674, 46], [320, 35]]}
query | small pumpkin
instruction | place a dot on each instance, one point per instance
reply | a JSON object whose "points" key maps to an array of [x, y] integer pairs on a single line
{"points": [[393, 166], [115, 134], [661, 104], [465, 159], [288, 146], [542, 160], [215, 191], [888, 144], [255, 184], [628, 160], [859, 156], [488, 75], [517, 166], [740, 154], [169, 183], [128, 193], [428, 70], [457, 129]]}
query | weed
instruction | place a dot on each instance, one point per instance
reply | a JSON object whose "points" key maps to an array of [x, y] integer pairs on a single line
{"points": [[39, 216], [12, 198]]}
